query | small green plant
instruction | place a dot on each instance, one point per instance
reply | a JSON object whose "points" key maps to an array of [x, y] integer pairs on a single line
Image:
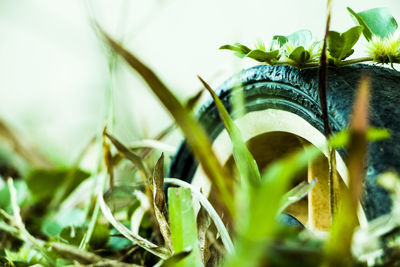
{"points": [[299, 50]]}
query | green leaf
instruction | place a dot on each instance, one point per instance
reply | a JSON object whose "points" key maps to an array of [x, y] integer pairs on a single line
{"points": [[377, 134], [100, 236], [117, 242], [176, 258], [341, 139], [262, 56], [72, 235], [300, 55], [183, 225], [340, 45], [22, 194], [241, 50], [43, 183], [376, 21], [275, 182], [301, 37], [244, 160], [338, 247], [258, 54], [71, 217]]}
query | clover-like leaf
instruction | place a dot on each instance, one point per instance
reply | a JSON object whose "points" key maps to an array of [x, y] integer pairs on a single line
{"points": [[301, 37], [262, 56], [300, 55], [239, 49], [376, 21], [340, 44]]}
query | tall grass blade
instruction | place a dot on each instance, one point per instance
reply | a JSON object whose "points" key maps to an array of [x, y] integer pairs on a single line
{"points": [[338, 247], [259, 226], [244, 160], [183, 225], [194, 133], [226, 240]]}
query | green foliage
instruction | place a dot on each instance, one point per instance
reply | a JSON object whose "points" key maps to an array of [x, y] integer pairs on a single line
{"points": [[42, 183], [183, 226], [258, 224], [299, 38], [299, 50], [340, 45], [373, 135], [298, 47], [116, 242], [73, 235], [259, 54], [72, 217], [377, 21], [173, 236], [300, 56], [199, 143], [379, 28], [22, 195], [244, 160], [241, 50], [262, 56]]}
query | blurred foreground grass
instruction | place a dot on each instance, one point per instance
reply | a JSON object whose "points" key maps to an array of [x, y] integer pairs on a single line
{"points": [[117, 214]]}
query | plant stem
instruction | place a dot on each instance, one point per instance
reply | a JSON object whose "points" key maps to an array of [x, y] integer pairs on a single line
{"points": [[355, 60], [316, 64], [16, 220], [102, 179]]}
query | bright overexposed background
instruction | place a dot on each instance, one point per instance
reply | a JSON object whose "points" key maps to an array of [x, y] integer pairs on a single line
{"points": [[54, 71]]}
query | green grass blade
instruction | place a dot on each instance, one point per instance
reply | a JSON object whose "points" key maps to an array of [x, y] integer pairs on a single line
{"points": [[259, 225], [223, 232], [244, 160], [194, 133], [183, 225], [338, 247], [275, 183], [296, 194]]}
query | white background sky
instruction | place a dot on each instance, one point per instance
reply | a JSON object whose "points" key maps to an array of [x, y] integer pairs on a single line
{"points": [[54, 71]]}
